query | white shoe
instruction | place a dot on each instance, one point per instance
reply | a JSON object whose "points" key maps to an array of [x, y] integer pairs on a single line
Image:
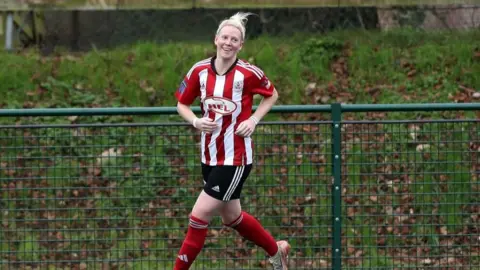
{"points": [[279, 260]]}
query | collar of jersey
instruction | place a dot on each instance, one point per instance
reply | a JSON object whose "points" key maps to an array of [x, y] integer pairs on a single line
{"points": [[212, 64]]}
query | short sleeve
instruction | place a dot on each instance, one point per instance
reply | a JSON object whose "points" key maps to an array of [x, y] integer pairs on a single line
{"points": [[262, 85], [189, 88]]}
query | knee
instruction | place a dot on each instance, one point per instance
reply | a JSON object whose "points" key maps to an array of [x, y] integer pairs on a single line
{"points": [[231, 218], [203, 214], [206, 207]]}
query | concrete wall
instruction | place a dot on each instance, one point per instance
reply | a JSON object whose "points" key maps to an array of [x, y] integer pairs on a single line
{"points": [[80, 30], [83, 29]]}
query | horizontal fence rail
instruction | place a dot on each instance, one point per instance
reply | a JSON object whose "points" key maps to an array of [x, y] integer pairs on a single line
{"points": [[347, 194], [276, 109]]}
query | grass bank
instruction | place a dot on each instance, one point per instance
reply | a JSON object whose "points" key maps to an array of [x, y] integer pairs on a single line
{"points": [[355, 67]]}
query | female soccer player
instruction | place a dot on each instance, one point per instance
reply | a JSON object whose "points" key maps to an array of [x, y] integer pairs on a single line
{"points": [[226, 86]]}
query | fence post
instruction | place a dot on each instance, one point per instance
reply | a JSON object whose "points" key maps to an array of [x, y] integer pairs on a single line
{"points": [[9, 31], [336, 186]]}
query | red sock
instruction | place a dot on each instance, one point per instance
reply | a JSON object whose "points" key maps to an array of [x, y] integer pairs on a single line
{"points": [[251, 229], [193, 243]]}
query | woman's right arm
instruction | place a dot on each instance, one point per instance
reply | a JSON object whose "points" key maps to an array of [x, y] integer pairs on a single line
{"points": [[186, 113], [204, 124]]}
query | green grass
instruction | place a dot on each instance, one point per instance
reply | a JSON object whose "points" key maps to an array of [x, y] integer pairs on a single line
{"points": [[147, 74]]}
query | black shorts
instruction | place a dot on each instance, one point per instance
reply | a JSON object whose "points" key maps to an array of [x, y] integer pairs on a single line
{"points": [[224, 182]]}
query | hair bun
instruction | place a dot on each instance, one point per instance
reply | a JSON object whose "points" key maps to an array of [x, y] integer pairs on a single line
{"points": [[238, 20], [241, 17]]}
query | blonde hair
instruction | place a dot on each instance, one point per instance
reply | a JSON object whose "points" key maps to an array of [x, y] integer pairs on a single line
{"points": [[238, 20]]}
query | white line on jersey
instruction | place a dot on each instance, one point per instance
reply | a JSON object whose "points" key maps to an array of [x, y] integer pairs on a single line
{"points": [[200, 63]]}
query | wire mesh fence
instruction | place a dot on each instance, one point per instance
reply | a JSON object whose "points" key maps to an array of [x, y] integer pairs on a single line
{"points": [[117, 196], [411, 194]]}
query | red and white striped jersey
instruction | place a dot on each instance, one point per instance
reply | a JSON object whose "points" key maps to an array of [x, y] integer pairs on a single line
{"points": [[227, 99]]}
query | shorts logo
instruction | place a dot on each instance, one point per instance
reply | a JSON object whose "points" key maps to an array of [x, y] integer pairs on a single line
{"points": [[182, 87], [220, 105], [183, 258], [216, 188]]}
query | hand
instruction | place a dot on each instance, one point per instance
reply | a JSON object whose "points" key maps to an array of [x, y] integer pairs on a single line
{"points": [[246, 128], [205, 124]]}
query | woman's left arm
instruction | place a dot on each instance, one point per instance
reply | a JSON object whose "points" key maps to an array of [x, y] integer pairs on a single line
{"points": [[265, 105], [246, 128]]}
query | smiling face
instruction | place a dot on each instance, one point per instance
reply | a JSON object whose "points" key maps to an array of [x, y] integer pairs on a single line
{"points": [[228, 42]]}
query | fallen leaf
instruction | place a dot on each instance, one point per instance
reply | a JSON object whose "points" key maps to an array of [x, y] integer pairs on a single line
{"points": [[108, 155], [422, 147], [72, 118], [414, 129], [426, 261], [310, 88], [476, 55]]}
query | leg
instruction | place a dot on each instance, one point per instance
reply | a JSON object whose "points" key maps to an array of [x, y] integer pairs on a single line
{"points": [[203, 211], [247, 226], [251, 229], [231, 211]]}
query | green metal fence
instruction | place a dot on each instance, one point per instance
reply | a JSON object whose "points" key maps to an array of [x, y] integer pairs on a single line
{"points": [[348, 193]]}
